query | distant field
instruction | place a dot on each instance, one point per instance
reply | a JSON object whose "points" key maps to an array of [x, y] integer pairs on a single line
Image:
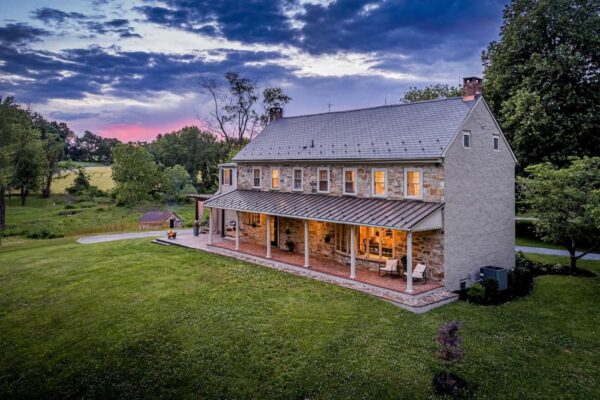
{"points": [[100, 175]]}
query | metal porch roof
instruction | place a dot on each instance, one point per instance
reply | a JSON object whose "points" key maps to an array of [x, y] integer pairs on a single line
{"points": [[392, 214]]}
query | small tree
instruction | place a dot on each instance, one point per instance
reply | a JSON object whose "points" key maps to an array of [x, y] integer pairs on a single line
{"points": [[565, 204], [176, 182], [451, 351]]}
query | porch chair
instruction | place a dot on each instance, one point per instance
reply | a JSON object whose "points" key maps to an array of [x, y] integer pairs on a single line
{"points": [[391, 267], [419, 273]]}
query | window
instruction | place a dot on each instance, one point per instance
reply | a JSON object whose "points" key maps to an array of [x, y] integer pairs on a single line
{"points": [[256, 178], [342, 238], [466, 139], [350, 181], [298, 184], [226, 176], [275, 174], [496, 139], [252, 219], [323, 175], [413, 185], [379, 179], [376, 243]]}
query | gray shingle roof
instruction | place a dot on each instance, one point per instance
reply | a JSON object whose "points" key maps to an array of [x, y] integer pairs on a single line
{"points": [[157, 216], [392, 214], [402, 131]]}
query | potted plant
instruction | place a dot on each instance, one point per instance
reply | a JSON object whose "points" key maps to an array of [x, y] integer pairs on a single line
{"points": [[290, 245]]}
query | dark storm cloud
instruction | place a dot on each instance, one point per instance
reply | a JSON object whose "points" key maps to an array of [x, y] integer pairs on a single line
{"points": [[90, 25], [20, 34], [257, 21], [70, 74]]}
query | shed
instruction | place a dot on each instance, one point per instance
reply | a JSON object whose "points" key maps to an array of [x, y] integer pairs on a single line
{"points": [[160, 219]]}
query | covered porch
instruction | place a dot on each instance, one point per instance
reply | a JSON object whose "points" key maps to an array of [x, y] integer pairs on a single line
{"points": [[341, 236]]}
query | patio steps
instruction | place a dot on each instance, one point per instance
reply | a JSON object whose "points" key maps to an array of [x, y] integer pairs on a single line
{"points": [[418, 302]]}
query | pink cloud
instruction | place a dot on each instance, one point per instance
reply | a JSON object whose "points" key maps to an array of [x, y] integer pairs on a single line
{"points": [[144, 132]]}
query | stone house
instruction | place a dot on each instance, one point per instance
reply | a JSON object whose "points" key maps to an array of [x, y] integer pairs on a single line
{"points": [[429, 182]]}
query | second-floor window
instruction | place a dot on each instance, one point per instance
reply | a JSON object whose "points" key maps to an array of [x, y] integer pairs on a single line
{"points": [[323, 184], [227, 176], [349, 181], [275, 175], [298, 179], [413, 183], [466, 139], [256, 178], [379, 179], [496, 140]]}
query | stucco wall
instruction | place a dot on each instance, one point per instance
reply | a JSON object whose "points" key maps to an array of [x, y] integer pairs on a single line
{"points": [[479, 226], [433, 178]]}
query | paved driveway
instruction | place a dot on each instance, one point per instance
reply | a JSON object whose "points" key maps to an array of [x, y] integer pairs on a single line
{"points": [[131, 235], [555, 252]]}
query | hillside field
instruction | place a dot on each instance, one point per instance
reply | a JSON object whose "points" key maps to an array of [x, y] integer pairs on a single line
{"points": [[100, 175]]}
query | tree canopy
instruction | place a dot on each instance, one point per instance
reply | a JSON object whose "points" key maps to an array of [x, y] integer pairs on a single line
{"points": [[430, 92], [135, 173], [565, 203], [542, 79]]}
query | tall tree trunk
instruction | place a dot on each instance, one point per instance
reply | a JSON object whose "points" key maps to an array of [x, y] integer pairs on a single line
{"points": [[46, 188], [572, 252], [2, 207], [23, 196]]}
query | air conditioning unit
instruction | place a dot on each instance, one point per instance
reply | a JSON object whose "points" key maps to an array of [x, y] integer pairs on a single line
{"points": [[497, 273]]}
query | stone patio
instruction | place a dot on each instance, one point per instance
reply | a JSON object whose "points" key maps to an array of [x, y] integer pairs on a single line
{"points": [[424, 298]]}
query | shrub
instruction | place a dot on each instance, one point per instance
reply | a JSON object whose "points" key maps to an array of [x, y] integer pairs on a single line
{"points": [[44, 232], [69, 206], [476, 293], [490, 287], [450, 354], [520, 281]]}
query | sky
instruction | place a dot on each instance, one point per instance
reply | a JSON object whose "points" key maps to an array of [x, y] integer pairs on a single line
{"points": [[133, 69]]}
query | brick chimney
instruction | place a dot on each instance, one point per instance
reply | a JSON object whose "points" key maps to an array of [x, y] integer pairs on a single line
{"points": [[275, 113], [472, 87]]}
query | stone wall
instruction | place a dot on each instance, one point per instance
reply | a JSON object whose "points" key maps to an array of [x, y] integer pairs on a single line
{"points": [[433, 179]]}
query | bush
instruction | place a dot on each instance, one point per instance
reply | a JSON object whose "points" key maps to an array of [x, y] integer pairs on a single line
{"points": [[490, 287], [44, 232], [69, 206], [476, 294], [520, 281]]}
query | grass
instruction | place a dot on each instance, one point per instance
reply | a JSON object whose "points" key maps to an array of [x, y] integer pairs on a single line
{"points": [[100, 175], [136, 320], [86, 217], [529, 242]]}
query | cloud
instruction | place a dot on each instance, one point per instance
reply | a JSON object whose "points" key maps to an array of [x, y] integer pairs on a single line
{"points": [[87, 24], [21, 34]]}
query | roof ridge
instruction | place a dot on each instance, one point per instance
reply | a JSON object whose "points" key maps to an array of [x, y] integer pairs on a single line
{"points": [[373, 107]]}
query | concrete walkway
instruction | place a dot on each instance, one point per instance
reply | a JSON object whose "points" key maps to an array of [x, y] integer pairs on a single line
{"points": [[555, 252], [131, 235]]}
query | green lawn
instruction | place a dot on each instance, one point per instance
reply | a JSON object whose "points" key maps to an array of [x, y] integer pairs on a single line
{"points": [[136, 320], [86, 217]]}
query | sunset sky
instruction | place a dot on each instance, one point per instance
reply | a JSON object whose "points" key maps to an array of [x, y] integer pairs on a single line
{"points": [[131, 69]]}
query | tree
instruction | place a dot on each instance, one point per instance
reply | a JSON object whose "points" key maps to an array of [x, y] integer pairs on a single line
{"points": [[135, 173], [542, 79], [29, 162], [430, 92], [565, 204], [450, 353], [235, 115], [53, 149], [176, 183]]}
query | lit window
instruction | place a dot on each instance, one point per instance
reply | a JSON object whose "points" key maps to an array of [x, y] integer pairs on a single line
{"points": [[342, 238], [323, 180], [256, 177], [275, 172], [226, 176], [412, 178], [252, 219], [379, 180], [466, 139], [496, 142], [298, 179], [349, 181]]}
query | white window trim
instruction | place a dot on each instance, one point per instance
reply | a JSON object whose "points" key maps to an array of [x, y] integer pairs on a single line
{"points": [[271, 178], [467, 133], [494, 137], [344, 181], [420, 171], [319, 180], [259, 177], [385, 181], [301, 179]]}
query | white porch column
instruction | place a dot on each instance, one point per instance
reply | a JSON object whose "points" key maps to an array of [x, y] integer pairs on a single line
{"points": [[268, 236], [237, 230], [210, 226], [409, 262], [352, 253], [306, 246]]}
